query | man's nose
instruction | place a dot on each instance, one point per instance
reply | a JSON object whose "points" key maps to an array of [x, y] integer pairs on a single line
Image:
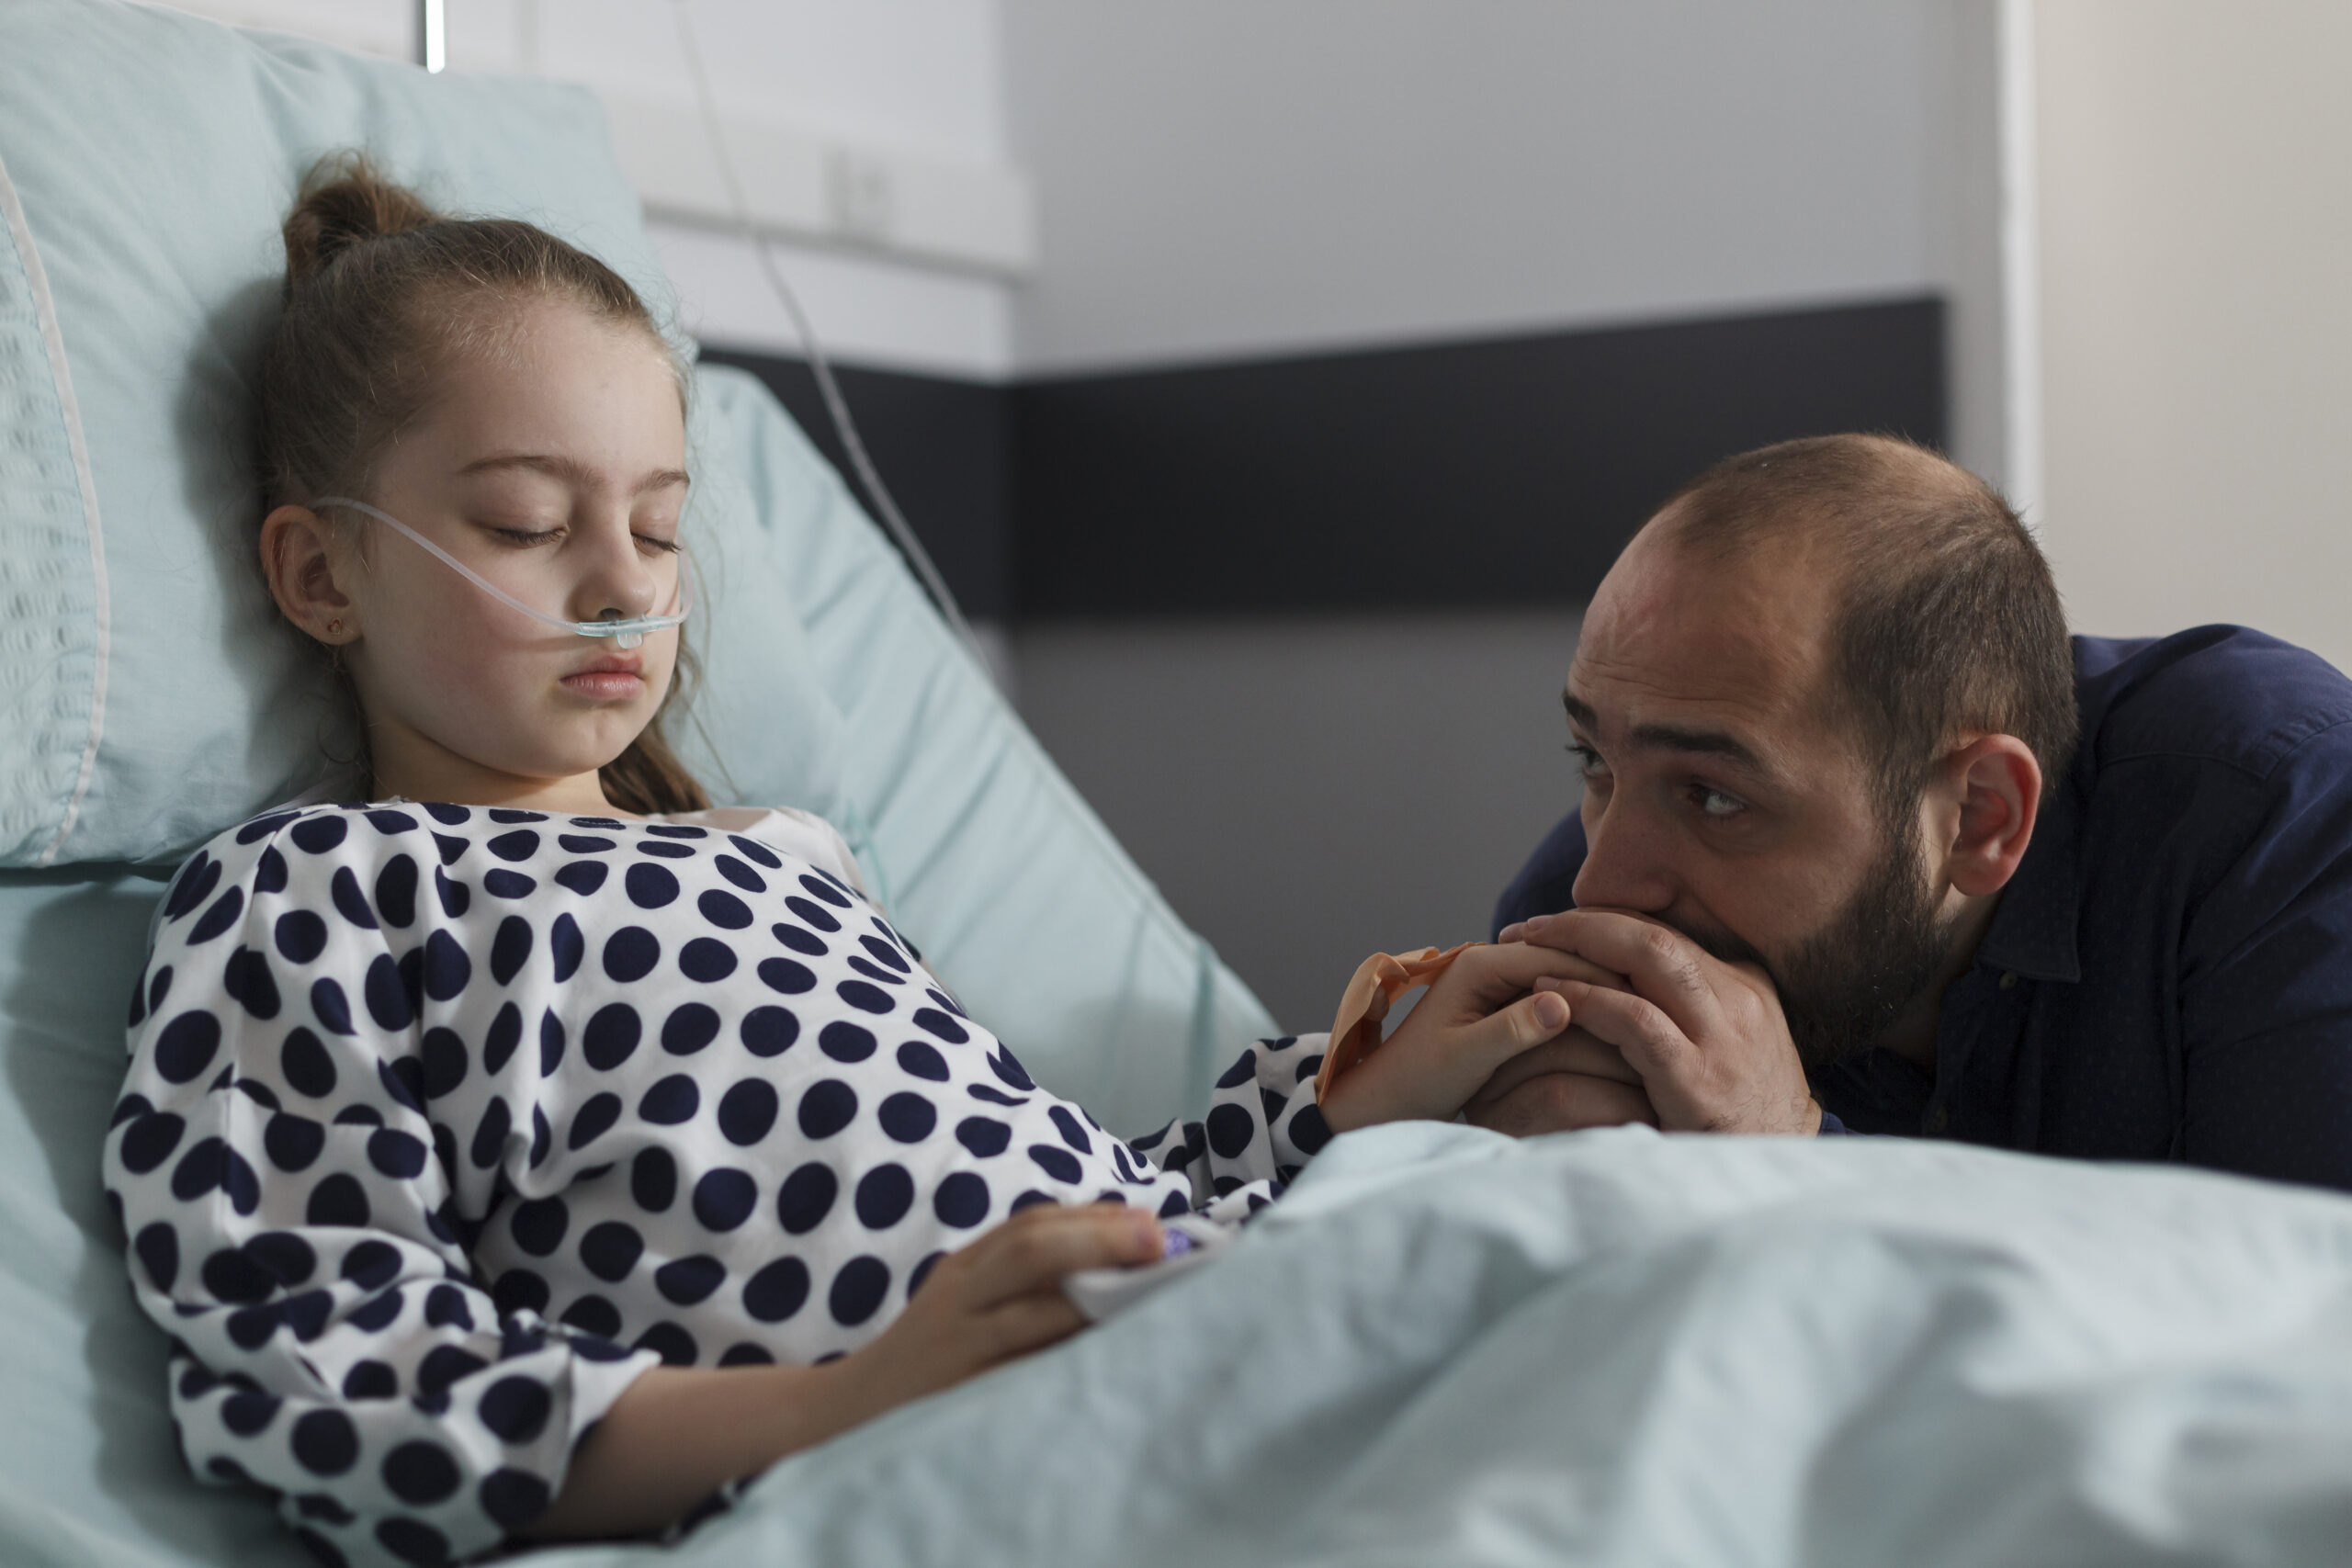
{"points": [[1627, 863]]}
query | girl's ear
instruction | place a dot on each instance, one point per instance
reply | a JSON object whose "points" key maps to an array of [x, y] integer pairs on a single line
{"points": [[300, 557]]}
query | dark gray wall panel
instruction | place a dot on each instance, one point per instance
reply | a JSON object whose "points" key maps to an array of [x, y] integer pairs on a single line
{"points": [[1503, 472], [1453, 476]]}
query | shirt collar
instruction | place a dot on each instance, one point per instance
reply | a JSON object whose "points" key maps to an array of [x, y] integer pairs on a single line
{"points": [[2032, 932]]}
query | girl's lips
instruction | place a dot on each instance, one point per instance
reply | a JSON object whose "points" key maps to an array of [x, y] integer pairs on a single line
{"points": [[606, 684], [613, 678]]}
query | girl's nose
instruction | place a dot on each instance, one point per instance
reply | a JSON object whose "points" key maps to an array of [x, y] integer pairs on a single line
{"points": [[618, 583]]}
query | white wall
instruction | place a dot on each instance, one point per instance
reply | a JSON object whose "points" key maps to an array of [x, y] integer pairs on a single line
{"points": [[921, 75], [1229, 177], [2196, 307]]}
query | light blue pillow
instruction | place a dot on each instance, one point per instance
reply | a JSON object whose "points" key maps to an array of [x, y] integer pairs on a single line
{"points": [[147, 159], [89, 1473]]}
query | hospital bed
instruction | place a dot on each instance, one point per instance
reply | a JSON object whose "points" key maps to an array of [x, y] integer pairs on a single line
{"points": [[1442, 1346]]}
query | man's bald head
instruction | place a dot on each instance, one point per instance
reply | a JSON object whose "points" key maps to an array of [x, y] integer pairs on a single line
{"points": [[1943, 617]]}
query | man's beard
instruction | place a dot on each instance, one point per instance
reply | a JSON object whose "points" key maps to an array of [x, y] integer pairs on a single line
{"points": [[1843, 986]]}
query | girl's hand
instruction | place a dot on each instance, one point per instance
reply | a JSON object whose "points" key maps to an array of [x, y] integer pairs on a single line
{"points": [[678, 1432], [1483, 1011], [996, 1300]]}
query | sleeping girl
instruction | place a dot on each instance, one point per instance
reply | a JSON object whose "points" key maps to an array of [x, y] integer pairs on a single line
{"points": [[534, 1149]]}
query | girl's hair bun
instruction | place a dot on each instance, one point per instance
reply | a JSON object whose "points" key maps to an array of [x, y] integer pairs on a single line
{"points": [[344, 203]]}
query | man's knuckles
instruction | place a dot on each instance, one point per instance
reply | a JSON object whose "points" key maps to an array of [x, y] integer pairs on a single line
{"points": [[1561, 1101], [1577, 1051], [1666, 950]]}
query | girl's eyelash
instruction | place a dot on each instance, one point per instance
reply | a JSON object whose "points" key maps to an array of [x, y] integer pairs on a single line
{"points": [[528, 536]]}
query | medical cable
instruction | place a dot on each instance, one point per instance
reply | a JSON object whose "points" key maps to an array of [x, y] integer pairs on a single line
{"points": [[835, 404], [627, 632]]}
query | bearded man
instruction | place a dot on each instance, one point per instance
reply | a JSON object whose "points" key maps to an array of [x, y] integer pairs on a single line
{"points": [[1868, 844]]}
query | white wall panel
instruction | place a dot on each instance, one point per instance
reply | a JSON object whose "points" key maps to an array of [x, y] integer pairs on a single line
{"points": [[1226, 175], [2197, 308]]}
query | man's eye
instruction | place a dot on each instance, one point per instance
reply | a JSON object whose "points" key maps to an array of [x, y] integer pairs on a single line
{"points": [[1715, 802], [1588, 761]]}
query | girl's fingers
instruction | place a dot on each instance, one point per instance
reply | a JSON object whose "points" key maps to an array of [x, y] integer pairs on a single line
{"points": [[1031, 1323], [1488, 974], [1491, 1040], [1032, 1251]]}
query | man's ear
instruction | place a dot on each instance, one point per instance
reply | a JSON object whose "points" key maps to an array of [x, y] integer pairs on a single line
{"points": [[300, 557], [1995, 783]]}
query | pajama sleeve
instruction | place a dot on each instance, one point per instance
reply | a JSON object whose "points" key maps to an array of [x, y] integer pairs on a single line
{"points": [[1263, 1126], [292, 1212]]}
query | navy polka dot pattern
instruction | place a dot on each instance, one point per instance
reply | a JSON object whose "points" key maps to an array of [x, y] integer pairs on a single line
{"points": [[408, 1259]]}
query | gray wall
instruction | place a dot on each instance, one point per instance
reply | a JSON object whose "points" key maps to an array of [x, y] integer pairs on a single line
{"points": [[1307, 793]]}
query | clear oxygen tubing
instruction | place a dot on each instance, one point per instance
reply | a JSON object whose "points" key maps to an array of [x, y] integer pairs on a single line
{"points": [[835, 405], [625, 633]]}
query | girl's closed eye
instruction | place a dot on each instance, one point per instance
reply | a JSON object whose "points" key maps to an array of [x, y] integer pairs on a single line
{"points": [[533, 538], [524, 538]]}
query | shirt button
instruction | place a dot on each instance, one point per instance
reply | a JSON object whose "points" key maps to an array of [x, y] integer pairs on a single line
{"points": [[1937, 1122], [2008, 978]]}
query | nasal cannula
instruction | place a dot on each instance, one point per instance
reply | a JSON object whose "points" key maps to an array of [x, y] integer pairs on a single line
{"points": [[627, 633]]}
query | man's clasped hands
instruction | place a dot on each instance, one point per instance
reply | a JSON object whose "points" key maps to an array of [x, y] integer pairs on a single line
{"points": [[1589, 1018]]}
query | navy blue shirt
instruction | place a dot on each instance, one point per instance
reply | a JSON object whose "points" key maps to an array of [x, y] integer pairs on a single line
{"points": [[2168, 977]]}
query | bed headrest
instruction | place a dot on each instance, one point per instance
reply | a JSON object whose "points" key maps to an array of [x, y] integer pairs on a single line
{"points": [[147, 693]]}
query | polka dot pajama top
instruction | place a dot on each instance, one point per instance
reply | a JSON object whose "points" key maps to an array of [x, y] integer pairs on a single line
{"points": [[444, 1123]]}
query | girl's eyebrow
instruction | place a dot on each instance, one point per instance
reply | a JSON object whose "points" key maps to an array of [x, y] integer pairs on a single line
{"points": [[569, 471]]}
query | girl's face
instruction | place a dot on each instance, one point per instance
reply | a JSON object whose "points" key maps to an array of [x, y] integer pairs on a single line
{"points": [[554, 465]]}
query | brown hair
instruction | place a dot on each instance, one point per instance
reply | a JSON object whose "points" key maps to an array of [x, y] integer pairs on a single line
{"points": [[375, 285], [1948, 620]]}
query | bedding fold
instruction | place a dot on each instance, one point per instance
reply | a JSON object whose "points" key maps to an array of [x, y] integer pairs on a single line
{"points": [[1620, 1348]]}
